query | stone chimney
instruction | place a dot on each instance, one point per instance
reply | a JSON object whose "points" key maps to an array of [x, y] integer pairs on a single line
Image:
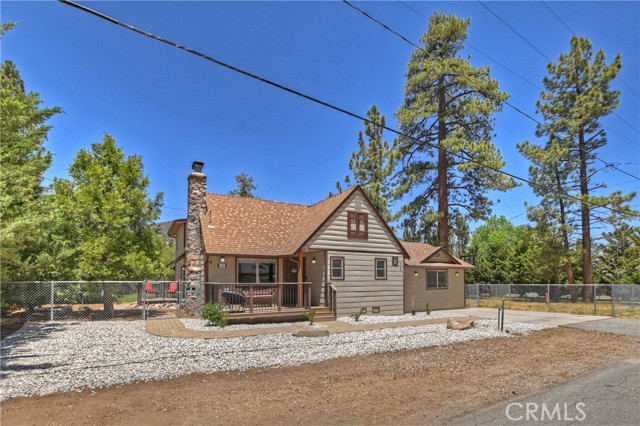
{"points": [[196, 207]]}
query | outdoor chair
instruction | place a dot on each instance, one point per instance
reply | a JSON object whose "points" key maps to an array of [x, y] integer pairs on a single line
{"points": [[148, 288], [231, 299], [173, 288]]}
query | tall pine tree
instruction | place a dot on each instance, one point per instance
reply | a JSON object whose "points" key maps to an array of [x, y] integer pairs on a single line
{"points": [[577, 96], [373, 164], [448, 109]]}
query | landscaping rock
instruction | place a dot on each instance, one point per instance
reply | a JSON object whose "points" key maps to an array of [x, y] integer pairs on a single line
{"points": [[460, 324], [311, 333]]}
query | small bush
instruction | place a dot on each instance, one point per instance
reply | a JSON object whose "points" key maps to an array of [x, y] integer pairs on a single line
{"points": [[428, 309], [216, 316], [356, 315], [310, 316]]}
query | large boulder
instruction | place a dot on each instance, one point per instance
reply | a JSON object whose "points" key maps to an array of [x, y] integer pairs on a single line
{"points": [[460, 323]]}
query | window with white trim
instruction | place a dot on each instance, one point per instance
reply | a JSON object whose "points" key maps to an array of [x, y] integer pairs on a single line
{"points": [[337, 268], [381, 269], [436, 279]]}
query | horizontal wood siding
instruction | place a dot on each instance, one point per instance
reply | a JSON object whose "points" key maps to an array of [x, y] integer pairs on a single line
{"points": [[333, 234], [449, 298], [360, 289], [222, 275]]}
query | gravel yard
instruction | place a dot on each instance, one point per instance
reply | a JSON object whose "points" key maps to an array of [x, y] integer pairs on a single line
{"points": [[377, 319], [44, 358]]}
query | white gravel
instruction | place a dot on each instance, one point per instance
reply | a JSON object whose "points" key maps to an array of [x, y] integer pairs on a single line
{"points": [[377, 319], [202, 325], [43, 358]]}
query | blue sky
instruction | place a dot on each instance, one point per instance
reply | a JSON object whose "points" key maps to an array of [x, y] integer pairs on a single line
{"points": [[172, 107]]}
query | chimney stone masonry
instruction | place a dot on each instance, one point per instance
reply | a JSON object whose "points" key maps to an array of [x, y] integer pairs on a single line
{"points": [[195, 258]]}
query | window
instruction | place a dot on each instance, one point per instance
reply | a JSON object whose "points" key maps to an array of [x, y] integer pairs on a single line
{"points": [[436, 279], [337, 268], [357, 225], [256, 271], [381, 269]]}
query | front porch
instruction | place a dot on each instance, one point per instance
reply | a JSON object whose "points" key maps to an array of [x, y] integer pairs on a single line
{"points": [[268, 302]]}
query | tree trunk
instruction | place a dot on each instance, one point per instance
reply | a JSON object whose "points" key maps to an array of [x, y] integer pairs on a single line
{"points": [[443, 167], [587, 272], [565, 243]]}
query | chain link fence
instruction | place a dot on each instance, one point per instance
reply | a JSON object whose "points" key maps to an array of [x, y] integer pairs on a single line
{"points": [[90, 300], [586, 299]]}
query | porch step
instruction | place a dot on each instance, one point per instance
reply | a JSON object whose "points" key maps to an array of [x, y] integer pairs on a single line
{"points": [[324, 314]]}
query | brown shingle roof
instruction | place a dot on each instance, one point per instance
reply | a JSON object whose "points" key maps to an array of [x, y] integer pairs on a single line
{"points": [[251, 226], [419, 253]]}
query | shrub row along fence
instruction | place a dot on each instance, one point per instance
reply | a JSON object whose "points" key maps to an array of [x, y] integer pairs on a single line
{"points": [[96, 300], [585, 299]]}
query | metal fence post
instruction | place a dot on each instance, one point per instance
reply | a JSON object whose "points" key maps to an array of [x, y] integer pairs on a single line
{"points": [[52, 298], [613, 301], [595, 296], [478, 295]]}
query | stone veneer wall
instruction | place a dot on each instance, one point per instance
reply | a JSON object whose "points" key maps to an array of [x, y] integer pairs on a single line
{"points": [[195, 258]]}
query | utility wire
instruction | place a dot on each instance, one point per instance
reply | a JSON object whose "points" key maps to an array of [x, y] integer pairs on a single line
{"points": [[608, 164], [574, 33], [312, 99], [515, 31], [516, 74], [545, 56]]}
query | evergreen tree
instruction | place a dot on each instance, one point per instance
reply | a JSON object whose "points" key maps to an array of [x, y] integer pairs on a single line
{"points": [[104, 220], [447, 112], [577, 96], [618, 257], [554, 216], [245, 186], [23, 163], [373, 164]]}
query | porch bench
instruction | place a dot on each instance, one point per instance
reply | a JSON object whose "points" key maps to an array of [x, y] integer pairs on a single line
{"points": [[262, 297]]}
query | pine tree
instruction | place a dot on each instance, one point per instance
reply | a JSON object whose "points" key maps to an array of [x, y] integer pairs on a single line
{"points": [[447, 113], [23, 163], [618, 257], [577, 96], [373, 164], [245, 186]]}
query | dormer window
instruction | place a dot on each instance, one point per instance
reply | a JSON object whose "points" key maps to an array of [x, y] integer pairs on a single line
{"points": [[357, 225]]}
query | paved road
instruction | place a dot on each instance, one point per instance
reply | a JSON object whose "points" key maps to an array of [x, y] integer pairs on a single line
{"points": [[607, 397], [627, 327]]}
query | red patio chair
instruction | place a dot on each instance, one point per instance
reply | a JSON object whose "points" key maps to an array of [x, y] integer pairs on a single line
{"points": [[173, 288], [148, 288]]}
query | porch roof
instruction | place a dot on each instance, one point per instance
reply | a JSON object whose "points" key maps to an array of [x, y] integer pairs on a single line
{"points": [[421, 253]]}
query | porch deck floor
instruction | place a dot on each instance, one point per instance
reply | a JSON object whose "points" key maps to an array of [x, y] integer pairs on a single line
{"points": [[173, 327]]}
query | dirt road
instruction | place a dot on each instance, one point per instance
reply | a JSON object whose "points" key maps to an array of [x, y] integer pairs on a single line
{"points": [[428, 386]]}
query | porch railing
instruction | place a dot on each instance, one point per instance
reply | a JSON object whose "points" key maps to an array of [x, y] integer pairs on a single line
{"points": [[331, 298], [259, 297]]}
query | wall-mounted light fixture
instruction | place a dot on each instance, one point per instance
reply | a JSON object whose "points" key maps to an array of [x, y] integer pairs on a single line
{"points": [[313, 261], [415, 273], [294, 270], [222, 259], [457, 273]]}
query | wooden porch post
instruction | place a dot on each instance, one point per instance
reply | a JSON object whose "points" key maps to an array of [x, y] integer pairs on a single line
{"points": [[300, 280]]}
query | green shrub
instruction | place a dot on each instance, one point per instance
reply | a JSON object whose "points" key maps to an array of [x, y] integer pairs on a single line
{"points": [[216, 316], [310, 316], [428, 309], [356, 315]]}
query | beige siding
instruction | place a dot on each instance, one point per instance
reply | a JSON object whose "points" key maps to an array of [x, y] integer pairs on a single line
{"points": [[449, 298], [180, 240], [314, 274], [360, 289], [222, 275], [333, 234]]}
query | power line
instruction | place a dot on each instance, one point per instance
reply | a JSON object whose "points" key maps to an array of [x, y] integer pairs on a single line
{"points": [[574, 33], [608, 164], [480, 51], [311, 98], [514, 30], [545, 56]]}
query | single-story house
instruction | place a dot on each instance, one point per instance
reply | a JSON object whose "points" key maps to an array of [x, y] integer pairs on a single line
{"points": [[338, 251]]}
